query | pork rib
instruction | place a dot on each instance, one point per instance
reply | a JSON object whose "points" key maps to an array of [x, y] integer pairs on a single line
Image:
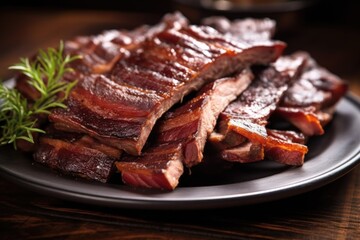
{"points": [[159, 167], [99, 53], [194, 121], [79, 156], [153, 78], [242, 125], [184, 131], [286, 147], [309, 103]]}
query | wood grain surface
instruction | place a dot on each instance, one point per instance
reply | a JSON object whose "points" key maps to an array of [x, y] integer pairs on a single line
{"points": [[330, 212]]}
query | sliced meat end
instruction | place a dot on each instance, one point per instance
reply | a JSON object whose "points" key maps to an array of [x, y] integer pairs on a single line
{"points": [[286, 147], [77, 158], [309, 103], [305, 119], [245, 119], [195, 120], [245, 153], [159, 168]]}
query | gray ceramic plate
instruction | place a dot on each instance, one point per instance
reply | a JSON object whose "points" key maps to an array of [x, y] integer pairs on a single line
{"points": [[330, 157]]}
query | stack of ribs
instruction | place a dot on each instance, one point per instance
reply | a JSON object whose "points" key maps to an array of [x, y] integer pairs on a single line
{"points": [[148, 100]]}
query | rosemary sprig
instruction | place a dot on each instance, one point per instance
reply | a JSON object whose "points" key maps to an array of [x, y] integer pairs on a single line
{"points": [[18, 118]]}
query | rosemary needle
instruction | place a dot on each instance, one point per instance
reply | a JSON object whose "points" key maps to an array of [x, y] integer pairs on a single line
{"points": [[18, 118]]}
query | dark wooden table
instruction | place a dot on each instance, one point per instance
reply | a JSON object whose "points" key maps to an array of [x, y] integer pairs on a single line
{"points": [[330, 212]]}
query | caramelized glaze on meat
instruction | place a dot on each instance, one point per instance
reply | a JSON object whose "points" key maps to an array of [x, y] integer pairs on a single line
{"points": [[244, 121], [309, 103], [184, 130], [156, 75]]}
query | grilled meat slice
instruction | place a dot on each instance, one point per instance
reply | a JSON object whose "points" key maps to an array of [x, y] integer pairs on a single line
{"points": [[159, 167], [309, 103], [244, 121], [194, 121], [153, 78], [307, 119], [99, 53], [185, 130], [79, 156], [286, 147]]}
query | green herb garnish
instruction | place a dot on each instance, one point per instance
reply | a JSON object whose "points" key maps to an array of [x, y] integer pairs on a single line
{"points": [[18, 118]]}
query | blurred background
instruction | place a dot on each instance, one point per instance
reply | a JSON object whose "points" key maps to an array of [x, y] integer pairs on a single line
{"points": [[328, 29]]}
